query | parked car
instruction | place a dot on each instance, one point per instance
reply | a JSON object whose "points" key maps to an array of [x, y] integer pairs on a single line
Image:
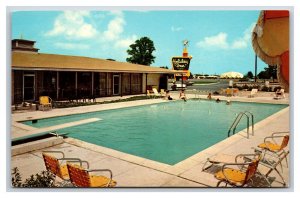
{"points": [[178, 85], [189, 83]]}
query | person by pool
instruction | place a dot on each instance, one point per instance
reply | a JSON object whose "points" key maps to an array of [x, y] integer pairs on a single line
{"points": [[209, 96], [168, 97], [182, 95]]}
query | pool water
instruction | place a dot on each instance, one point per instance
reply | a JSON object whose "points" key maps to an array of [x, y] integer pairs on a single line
{"points": [[166, 132]]}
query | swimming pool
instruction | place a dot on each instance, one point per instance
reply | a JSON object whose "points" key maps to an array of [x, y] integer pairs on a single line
{"points": [[167, 132]]}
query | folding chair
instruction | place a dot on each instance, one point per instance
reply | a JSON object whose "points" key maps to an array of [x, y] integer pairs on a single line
{"points": [[57, 165], [241, 175], [45, 101], [272, 166], [81, 177], [271, 147]]}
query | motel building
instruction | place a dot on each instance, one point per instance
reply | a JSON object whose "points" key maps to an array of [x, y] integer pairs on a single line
{"points": [[64, 77]]}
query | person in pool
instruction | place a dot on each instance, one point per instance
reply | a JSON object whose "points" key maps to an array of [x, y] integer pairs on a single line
{"points": [[218, 100]]}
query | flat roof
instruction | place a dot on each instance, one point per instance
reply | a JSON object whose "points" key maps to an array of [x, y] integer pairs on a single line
{"points": [[56, 62]]}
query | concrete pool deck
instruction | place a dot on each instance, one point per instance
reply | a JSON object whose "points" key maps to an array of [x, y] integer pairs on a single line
{"points": [[133, 171]]}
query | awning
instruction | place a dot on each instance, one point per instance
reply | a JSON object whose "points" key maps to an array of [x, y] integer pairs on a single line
{"points": [[270, 41]]}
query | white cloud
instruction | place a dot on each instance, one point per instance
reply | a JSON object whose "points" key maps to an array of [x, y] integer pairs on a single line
{"points": [[95, 30], [239, 44], [71, 46], [124, 43], [217, 41], [176, 29], [243, 42], [72, 25], [115, 27]]}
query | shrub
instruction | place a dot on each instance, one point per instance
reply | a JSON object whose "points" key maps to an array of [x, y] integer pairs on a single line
{"points": [[39, 180], [265, 88], [245, 87], [277, 88]]}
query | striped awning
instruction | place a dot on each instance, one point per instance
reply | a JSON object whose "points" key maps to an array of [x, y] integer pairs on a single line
{"points": [[270, 41]]}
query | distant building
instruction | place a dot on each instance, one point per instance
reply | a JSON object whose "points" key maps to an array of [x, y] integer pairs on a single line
{"points": [[64, 77], [231, 75]]}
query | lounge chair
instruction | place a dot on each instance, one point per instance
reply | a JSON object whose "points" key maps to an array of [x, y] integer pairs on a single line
{"points": [[253, 93], [57, 165], [81, 177], [235, 92], [45, 101], [162, 92], [279, 94], [239, 176], [149, 94], [272, 148], [229, 92], [156, 94]]}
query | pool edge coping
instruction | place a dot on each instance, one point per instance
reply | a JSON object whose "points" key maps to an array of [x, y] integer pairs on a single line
{"points": [[182, 166]]}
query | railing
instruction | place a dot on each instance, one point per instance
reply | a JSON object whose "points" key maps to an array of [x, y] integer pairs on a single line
{"points": [[237, 121]]}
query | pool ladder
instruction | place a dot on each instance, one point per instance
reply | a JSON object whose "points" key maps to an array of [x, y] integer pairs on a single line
{"points": [[237, 121]]}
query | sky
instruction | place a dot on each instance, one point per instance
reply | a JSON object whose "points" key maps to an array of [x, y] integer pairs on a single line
{"points": [[219, 41]]}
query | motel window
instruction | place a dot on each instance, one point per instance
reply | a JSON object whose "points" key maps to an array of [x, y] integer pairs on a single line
{"points": [[126, 83], [136, 83]]}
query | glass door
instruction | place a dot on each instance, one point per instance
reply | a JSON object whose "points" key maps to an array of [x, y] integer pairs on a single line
{"points": [[116, 84], [28, 90]]}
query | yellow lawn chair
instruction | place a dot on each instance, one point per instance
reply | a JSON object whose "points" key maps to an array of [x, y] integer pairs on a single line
{"points": [[45, 101], [81, 177], [273, 148], [239, 176]]}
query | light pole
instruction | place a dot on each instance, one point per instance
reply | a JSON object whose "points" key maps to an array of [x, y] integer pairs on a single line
{"points": [[255, 71]]}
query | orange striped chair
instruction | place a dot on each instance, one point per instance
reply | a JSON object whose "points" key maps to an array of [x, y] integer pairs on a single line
{"points": [[81, 177], [55, 163]]}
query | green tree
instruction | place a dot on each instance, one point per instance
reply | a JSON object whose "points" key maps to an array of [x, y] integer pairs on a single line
{"points": [[140, 52], [269, 72], [249, 75]]}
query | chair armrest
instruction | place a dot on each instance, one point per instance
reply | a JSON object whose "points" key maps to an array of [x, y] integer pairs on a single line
{"points": [[273, 137], [58, 152], [103, 170], [75, 160], [246, 157], [233, 164], [276, 133]]}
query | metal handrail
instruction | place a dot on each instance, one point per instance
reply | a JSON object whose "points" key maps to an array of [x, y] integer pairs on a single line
{"points": [[237, 121], [252, 121]]}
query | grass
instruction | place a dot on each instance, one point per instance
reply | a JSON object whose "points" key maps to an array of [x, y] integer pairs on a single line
{"points": [[204, 82], [77, 104]]}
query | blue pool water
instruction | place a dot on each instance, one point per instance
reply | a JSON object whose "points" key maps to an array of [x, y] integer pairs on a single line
{"points": [[166, 132]]}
